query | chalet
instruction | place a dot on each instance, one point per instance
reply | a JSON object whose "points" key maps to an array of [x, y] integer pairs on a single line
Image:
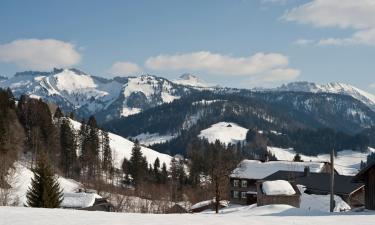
{"points": [[367, 176], [319, 184], [278, 192], [86, 201], [243, 179]]}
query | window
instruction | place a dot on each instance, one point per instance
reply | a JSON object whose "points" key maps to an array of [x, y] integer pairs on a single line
{"points": [[243, 194], [244, 183], [235, 194], [236, 183]]}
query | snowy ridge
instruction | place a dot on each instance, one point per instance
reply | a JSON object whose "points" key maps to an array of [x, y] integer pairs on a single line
{"points": [[191, 80], [334, 87]]}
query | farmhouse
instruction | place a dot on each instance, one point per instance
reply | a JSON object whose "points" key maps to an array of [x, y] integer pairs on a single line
{"points": [[367, 176], [86, 201], [243, 189], [319, 184]]}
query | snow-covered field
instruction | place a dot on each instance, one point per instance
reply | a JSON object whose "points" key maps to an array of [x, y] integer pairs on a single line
{"points": [[265, 215], [346, 163], [226, 132], [154, 138]]}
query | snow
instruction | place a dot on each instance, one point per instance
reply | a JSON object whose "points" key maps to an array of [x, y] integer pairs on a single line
{"points": [[122, 148], [191, 80], [264, 215], [126, 111], [254, 169], [79, 200], [347, 162], [154, 138], [226, 132], [208, 202], [278, 187]]}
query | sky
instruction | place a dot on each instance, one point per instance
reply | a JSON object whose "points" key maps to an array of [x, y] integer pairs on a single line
{"points": [[236, 43]]}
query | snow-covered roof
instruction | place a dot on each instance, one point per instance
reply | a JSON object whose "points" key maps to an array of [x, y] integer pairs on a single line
{"points": [[254, 169], [278, 187], [79, 200], [209, 202]]}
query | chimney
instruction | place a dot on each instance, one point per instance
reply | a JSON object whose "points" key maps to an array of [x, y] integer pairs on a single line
{"points": [[306, 171]]}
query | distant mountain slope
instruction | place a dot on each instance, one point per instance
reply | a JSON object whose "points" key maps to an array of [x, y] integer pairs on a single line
{"points": [[74, 90], [335, 88]]}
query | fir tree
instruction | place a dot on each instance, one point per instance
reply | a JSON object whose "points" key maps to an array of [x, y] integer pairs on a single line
{"points": [[45, 191], [137, 164], [68, 148], [58, 113], [156, 170], [164, 174], [297, 158], [107, 154]]}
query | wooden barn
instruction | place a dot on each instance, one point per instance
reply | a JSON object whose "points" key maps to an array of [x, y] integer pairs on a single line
{"points": [[243, 189], [367, 176], [319, 184], [283, 192]]}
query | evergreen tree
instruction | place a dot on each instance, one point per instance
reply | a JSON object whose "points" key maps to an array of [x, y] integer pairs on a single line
{"points": [[137, 164], [297, 158], [58, 113], [107, 154], [68, 148], [45, 191], [164, 174], [156, 170]]}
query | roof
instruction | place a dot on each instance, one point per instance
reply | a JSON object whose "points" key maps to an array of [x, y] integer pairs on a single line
{"points": [[318, 181], [359, 177], [79, 200], [254, 169]]}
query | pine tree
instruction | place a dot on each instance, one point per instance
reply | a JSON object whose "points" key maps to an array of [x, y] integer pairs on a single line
{"points": [[297, 158], [137, 164], [107, 153], [156, 170], [164, 174], [68, 148], [58, 113], [45, 191]]}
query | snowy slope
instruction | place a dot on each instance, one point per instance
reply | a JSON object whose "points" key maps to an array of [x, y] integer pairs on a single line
{"points": [[22, 181], [265, 215], [334, 87], [122, 147], [226, 132], [346, 163]]}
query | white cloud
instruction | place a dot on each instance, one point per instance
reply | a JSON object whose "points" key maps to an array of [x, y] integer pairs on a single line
{"points": [[270, 66], [124, 68], [357, 15], [39, 54], [304, 41]]}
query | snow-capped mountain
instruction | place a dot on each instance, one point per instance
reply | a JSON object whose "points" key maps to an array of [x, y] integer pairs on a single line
{"points": [[74, 90], [334, 87], [191, 80]]}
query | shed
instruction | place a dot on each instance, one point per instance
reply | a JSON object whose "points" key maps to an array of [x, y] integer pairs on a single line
{"points": [[319, 184], [367, 176], [278, 192], [177, 208], [209, 204]]}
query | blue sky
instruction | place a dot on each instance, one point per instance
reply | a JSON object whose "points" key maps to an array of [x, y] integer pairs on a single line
{"points": [[239, 43]]}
